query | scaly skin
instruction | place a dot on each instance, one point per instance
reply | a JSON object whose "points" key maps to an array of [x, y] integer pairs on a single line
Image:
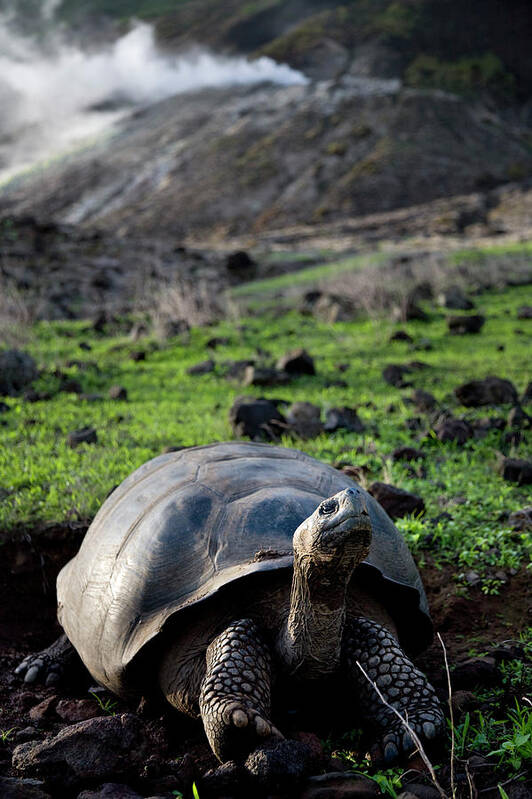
{"points": [[403, 686], [235, 694]]}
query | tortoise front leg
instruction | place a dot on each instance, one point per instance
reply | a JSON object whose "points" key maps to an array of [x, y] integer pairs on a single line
{"points": [[403, 686], [235, 694]]}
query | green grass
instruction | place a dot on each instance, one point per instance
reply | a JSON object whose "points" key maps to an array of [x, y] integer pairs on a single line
{"points": [[310, 275], [42, 479]]}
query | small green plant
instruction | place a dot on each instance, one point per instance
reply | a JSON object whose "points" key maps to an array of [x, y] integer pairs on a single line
{"points": [[516, 748], [107, 705], [6, 734], [195, 792]]}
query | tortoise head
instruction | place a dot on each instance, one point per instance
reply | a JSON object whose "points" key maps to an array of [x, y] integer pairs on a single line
{"points": [[339, 530]]}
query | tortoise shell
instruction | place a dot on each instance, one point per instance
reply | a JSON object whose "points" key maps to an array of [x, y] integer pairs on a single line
{"points": [[187, 523]]}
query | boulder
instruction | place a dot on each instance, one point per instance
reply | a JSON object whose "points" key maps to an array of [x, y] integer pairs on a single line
{"points": [[394, 374], [87, 435], [256, 418], [340, 785], [407, 454], [11, 788], [93, 749], [461, 325], [297, 362], [264, 376], [44, 709], [409, 311], [304, 419], [110, 790], [490, 391], [343, 418], [521, 520], [424, 400], [401, 335], [455, 299], [524, 312], [73, 710], [452, 429], [395, 501], [137, 355], [526, 399], [17, 370], [201, 368], [475, 671], [516, 470], [518, 419], [118, 393], [240, 266], [282, 766]]}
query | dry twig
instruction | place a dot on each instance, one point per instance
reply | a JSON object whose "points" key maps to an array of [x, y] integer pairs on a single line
{"points": [[410, 730]]}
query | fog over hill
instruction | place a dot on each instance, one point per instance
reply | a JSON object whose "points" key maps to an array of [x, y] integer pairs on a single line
{"points": [[57, 94]]}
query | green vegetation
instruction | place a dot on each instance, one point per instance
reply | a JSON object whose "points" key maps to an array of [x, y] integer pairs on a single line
{"points": [[43, 479], [467, 75], [120, 8]]}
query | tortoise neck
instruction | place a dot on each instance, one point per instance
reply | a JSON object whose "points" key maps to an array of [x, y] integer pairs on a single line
{"points": [[310, 639]]}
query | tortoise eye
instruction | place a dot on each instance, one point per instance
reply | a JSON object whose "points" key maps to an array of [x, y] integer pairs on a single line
{"points": [[329, 506]]}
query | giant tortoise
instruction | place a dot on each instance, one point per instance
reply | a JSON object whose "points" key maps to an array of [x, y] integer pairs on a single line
{"points": [[211, 570]]}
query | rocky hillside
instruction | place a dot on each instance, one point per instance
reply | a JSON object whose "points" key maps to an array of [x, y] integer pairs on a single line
{"points": [[407, 102], [230, 160]]}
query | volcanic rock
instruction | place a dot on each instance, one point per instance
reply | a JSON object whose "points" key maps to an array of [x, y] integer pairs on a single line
{"points": [[281, 766], [424, 400], [524, 312], [110, 790], [263, 376], [526, 399], [460, 325], [407, 454], [490, 391], [401, 335], [17, 370], [201, 368], [521, 520], [340, 785], [304, 419], [256, 418], [87, 435], [395, 501], [452, 429], [516, 470], [118, 393], [475, 671], [73, 710], [297, 362], [455, 299], [518, 419], [343, 418], [394, 374], [21, 789], [93, 749], [240, 266]]}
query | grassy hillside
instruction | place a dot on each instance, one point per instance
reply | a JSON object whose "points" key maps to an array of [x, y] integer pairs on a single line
{"points": [[42, 479]]}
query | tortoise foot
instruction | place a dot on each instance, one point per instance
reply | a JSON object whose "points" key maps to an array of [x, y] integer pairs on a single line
{"points": [[49, 666], [235, 694], [375, 658], [397, 743]]}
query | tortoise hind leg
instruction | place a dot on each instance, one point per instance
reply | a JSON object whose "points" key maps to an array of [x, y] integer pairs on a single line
{"points": [[235, 694], [403, 686], [52, 665]]}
